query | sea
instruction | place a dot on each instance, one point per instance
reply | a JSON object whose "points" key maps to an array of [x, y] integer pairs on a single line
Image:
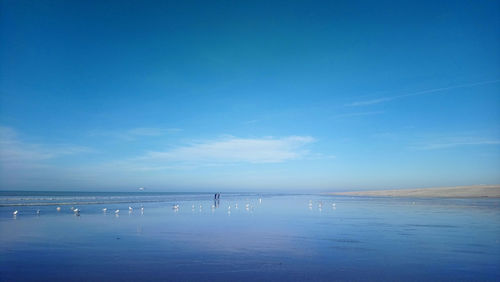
{"points": [[146, 236]]}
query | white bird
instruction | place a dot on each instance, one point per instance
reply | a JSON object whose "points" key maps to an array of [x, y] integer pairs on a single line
{"points": [[142, 208], [213, 206], [37, 211], [175, 207], [333, 205], [229, 207], [200, 207], [15, 212], [117, 211], [260, 200], [236, 206], [192, 207], [58, 208], [104, 209], [76, 210]]}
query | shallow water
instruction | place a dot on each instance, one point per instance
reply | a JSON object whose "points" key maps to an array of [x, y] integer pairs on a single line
{"points": [[282, 237]]}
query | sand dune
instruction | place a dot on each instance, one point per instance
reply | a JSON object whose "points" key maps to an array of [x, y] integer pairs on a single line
{"points": [[476, 191]]}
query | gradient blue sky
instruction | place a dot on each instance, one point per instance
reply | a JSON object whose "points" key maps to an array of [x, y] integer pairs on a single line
{"points": [[248, 95]]}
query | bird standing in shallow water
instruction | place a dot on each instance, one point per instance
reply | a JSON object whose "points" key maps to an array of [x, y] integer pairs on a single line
{"points": [[15, 212], [117, 211], [104, 209], [58, 209]]}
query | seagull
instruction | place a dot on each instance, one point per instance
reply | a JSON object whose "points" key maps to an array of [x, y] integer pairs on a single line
{"points": [[260, 200], [236, 206], [37, 211], [175, 207], [15, 212], [192, 207], [104, 209], [58, 208], [130, 208], [142, 208], [229, 208], [77, 212], [333, 205], [117, 211]]}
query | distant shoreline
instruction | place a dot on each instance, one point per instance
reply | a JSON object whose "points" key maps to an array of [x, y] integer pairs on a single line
{"points": [[475, 191]]}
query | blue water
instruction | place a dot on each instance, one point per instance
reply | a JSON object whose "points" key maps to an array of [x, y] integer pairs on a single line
{"points": [[281, 237]]}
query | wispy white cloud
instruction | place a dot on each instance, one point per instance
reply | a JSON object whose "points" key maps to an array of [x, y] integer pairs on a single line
{"points": [[234, 150], [151, 131], [15, 151], [136, 133], [358, 114], [423, 92], [456, 142]]}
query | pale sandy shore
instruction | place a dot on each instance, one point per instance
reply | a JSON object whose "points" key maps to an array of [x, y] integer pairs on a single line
{"points": [[477, 191]]}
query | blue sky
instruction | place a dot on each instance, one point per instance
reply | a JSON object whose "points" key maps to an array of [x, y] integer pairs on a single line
{"points": [[248, 95]]}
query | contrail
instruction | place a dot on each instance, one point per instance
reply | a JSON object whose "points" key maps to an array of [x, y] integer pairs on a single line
{"points": [[387, 99]]}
